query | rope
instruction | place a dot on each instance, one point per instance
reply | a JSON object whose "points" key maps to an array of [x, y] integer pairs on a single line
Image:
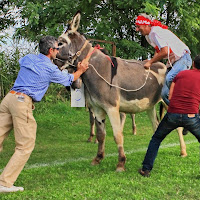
{"points": [[128, 61], [168, 57], [118, 86]]}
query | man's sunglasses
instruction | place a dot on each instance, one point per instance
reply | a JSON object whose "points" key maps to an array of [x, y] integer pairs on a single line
{"points": [[56, 48]]}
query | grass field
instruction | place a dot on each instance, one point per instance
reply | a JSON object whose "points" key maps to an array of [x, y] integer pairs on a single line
{"points": [[59, 167]]}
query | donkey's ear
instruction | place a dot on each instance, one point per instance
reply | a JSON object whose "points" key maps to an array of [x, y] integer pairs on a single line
{"points": [[75, 22]]}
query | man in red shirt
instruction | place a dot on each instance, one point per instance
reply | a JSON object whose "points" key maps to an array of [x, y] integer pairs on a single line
{"points": [[183, 111]]}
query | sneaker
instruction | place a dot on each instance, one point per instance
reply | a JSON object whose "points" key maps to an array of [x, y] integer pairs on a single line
{"points": [[145, 173], [10, 189]]}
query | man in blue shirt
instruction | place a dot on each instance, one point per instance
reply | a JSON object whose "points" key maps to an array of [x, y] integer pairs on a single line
{"points": [[34, 77]]}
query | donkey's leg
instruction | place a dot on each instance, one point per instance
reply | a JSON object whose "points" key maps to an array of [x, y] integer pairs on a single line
{"points": [[92, 126], [133, 124], [100, 117], [122, 119], [114, 116], [153, 117], [182, 142]]}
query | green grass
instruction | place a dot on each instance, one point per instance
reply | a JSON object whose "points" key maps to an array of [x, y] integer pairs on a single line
{"points": [[59, 167]]}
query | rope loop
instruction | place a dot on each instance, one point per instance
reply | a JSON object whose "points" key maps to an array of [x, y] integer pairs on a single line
{"points": [[135, 90]]}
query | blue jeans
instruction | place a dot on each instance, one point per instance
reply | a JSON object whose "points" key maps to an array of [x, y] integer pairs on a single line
{"points": [[170, 122], [183, 63]]}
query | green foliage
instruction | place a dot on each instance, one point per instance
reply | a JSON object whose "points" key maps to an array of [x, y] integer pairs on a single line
{"points": [[9, 63], [110, 20], [190, 22], [151, 8], [131, 50], [6, 17], [56, 93], [9, 68], [44, 17]]}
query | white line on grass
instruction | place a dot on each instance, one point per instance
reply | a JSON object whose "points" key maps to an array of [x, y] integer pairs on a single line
{"points": [[57, 163]]}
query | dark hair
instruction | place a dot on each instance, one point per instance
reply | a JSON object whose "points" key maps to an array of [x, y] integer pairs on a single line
{"points": [[46, 43], [197, 61]]}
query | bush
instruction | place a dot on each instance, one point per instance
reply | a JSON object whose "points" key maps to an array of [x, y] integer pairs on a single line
{"points": [[9, 68]]}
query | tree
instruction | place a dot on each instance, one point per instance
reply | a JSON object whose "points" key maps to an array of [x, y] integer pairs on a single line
{"points": [[105, 20], [111, 20], [6, 16]]}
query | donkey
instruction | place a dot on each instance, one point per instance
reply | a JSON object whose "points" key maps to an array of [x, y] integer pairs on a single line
{"points": [[112, 86], [77, 85], [92, 117]]}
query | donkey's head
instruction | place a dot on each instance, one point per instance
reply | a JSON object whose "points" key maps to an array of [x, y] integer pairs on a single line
{"points": [[70, 44]]}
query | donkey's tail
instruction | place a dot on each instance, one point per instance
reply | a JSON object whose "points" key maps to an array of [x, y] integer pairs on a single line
{"points": [[163, 107]]}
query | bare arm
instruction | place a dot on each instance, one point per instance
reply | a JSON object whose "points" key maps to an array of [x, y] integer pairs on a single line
{"points": [[157, 57], [81, 68], [171, 90]]}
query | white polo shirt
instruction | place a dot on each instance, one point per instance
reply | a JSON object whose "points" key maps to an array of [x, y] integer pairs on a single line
{"points": [[159, 38]]}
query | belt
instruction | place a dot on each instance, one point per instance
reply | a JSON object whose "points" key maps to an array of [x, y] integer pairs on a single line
{"points": [[19, 93], [22, 94]]}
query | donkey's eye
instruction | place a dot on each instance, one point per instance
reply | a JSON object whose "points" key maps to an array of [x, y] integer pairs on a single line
{"points": [[60, 44]]}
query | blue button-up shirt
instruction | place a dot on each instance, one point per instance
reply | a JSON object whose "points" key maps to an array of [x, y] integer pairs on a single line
{"points": [[35, 75]]}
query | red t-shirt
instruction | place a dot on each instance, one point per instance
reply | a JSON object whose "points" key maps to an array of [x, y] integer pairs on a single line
{"points": [[186, 95]]}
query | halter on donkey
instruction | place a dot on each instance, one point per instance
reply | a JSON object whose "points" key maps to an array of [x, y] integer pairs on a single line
{"points": [[109, 90]]}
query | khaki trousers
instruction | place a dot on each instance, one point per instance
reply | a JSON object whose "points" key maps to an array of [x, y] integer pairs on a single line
{"points": [[16, 113]]}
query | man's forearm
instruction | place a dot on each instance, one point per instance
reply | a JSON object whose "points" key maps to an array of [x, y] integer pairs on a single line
{"points": [[157, 57], [171, 90], [77, 74], [81, 68], [160, 55]]}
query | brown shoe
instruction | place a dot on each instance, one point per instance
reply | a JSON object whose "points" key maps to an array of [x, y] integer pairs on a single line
{"points": [[145, 173]]}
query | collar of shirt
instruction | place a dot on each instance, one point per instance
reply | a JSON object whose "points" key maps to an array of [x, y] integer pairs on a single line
{"points": [[44, 57]]}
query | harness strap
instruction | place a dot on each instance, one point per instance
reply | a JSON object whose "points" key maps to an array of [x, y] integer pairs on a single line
{"points": [[91, 51], [78, 53]]}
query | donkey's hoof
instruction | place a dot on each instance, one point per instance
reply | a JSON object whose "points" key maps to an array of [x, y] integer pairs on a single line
{"points": [[96, 141], [89, 139], [183, 155], [120, 169], [95, 162]]}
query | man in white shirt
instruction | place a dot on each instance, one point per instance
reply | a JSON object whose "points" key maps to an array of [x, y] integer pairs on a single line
{"points": [[167, 46]]}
